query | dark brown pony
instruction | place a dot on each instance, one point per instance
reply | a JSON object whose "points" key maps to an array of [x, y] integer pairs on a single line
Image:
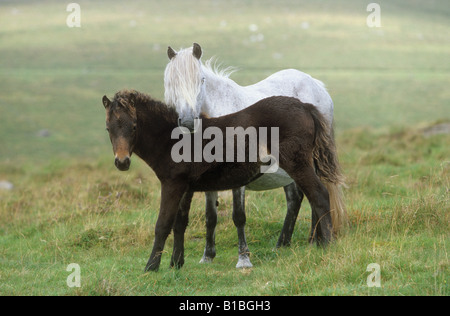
{"points": [[138, 124]]}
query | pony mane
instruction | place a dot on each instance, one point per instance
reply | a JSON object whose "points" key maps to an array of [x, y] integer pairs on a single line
{"points": [[132, 100], [218, 69], [123, 97], [182, 77]]}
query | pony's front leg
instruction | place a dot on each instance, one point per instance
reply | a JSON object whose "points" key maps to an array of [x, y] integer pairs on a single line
{"points": [[179, 229], [171, 194], [211, 223], [240, 219]]}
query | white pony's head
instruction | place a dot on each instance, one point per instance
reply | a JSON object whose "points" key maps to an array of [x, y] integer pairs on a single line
{"points": [[184, 84]]}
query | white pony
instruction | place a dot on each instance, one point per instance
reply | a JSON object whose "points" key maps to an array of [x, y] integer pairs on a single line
{"points": [[193, 88]]}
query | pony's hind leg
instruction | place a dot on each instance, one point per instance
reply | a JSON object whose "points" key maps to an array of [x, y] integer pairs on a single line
{"points": [[239, 220], [318, 197], [294, 198], [211, 222]]}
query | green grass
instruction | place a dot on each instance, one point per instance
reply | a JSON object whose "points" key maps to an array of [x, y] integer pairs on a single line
{"points": [[70, 205]]}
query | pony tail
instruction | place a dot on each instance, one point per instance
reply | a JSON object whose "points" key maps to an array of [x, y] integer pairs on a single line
{"points": [[339, 217], [328, 169]]}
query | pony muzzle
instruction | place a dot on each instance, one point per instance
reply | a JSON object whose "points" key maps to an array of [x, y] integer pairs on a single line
{"points": [[188, 127], [122, 163]]}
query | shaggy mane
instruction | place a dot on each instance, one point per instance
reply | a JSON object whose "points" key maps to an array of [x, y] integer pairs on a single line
{"points": [[182, 77], [218, 69], [133, 101]]}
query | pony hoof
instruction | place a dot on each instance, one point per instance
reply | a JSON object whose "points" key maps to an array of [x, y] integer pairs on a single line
{"points": [[244, 263], [206, 260]]}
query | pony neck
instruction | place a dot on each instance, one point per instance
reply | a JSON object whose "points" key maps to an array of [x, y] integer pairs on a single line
{"points": [[223, 96], [155, 114], [155, 123]]}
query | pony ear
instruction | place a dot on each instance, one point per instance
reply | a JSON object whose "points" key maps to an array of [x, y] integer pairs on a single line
{"points": [[197, 52], [171, 53], [106, 101]]}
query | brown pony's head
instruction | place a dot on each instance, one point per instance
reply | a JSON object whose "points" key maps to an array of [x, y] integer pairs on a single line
{"points": [[121, 123]]}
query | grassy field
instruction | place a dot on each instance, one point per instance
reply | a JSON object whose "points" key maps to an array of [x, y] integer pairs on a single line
{"points": [[70, 205]]}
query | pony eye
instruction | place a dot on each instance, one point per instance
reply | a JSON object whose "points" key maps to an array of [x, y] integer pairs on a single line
{"points": [[203, 80]]}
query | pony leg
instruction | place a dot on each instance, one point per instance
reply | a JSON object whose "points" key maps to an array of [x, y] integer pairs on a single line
{"points": [[171, 194], [294, 198], [239, 220], [211, 222], [318, 197], [315, 229], [179, 229]]}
